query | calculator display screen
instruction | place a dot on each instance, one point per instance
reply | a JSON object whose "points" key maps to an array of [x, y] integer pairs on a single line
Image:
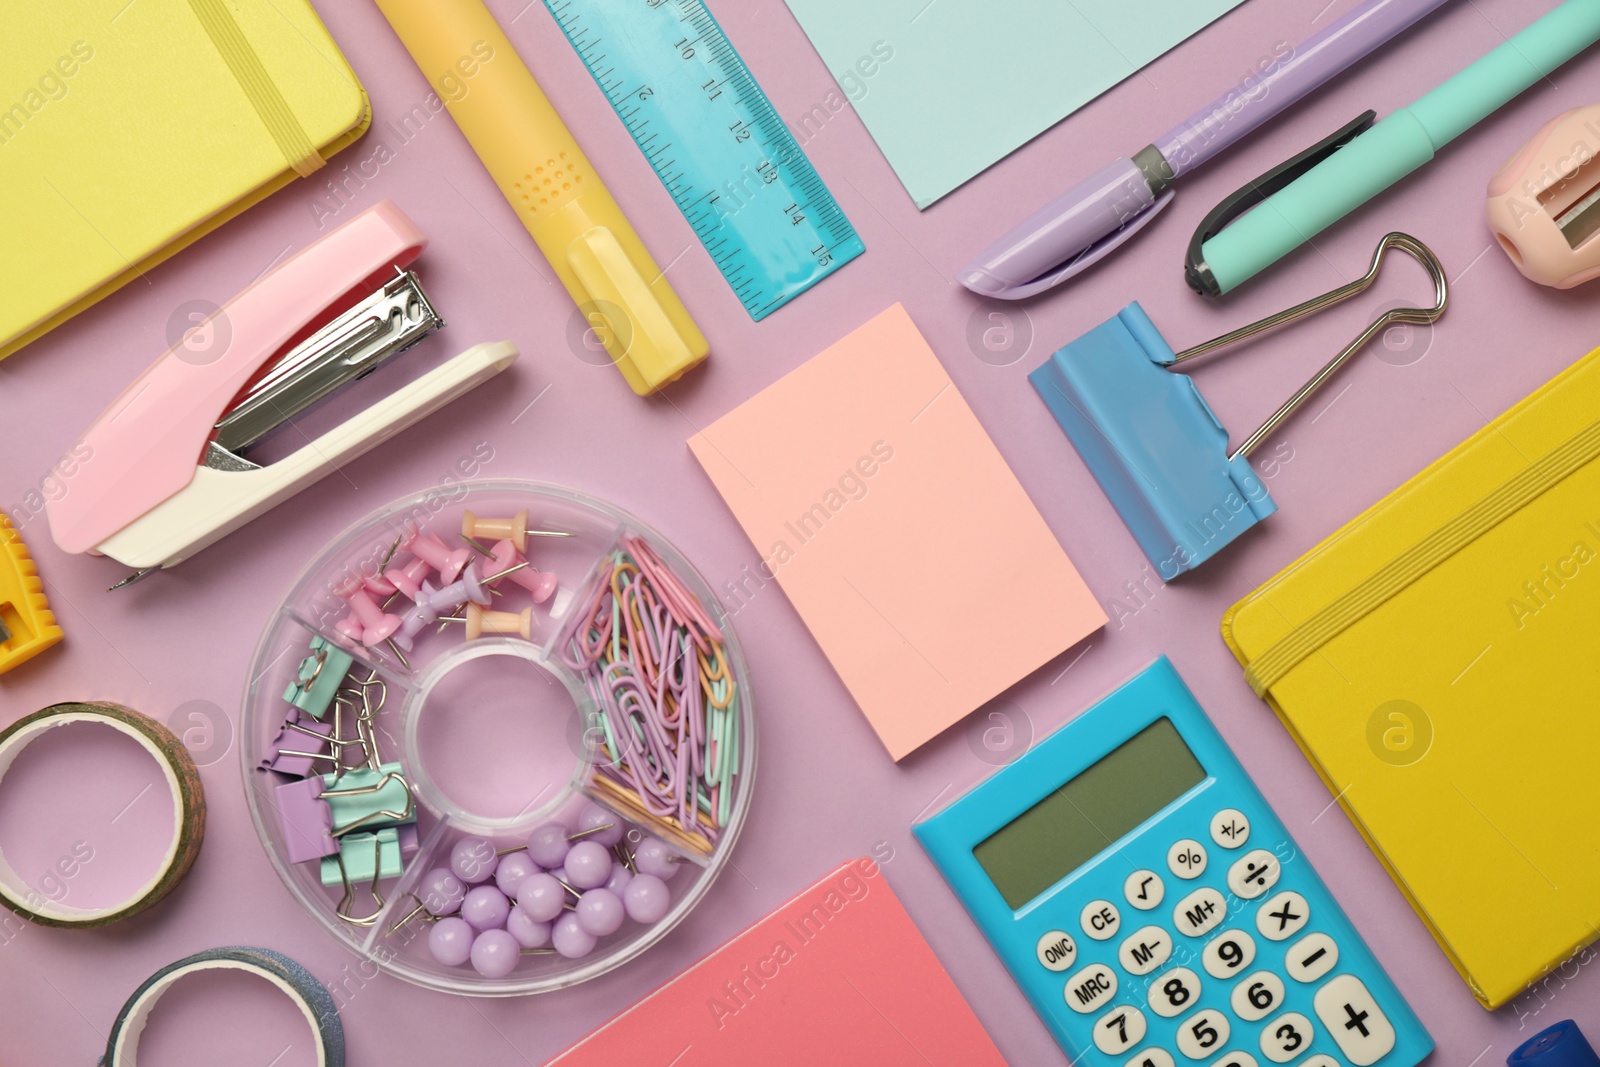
{"points": [[1086, 814]]}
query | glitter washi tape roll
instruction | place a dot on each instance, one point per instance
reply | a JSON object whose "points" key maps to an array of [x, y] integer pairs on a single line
{"points": [[188, 808], [297, 983]]}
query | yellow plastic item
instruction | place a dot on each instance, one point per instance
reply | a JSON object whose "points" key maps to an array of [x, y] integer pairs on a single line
{"points": [[532, 157], [1436, 660], [29, 626], [124, 139]]}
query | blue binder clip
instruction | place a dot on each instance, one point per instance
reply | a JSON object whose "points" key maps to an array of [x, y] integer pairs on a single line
{"points": [[1150, 438]]}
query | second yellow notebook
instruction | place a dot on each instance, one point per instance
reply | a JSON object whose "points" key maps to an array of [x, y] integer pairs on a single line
{"points": [[128, 130], [1436, 661]]}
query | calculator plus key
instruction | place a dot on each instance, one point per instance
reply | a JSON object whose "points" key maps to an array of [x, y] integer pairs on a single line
{"points": [[1200, 912], [1253, 874], [1145, 949], [1090, 988], [1174, 992], [1202, 1034], [1286, 1037], [1230, 829], [1144, 889], [1228, 954], [1282, 916], [1118, 1030], [1354, 1019], [1311, 957], [1257, 996], [1187, 858]]}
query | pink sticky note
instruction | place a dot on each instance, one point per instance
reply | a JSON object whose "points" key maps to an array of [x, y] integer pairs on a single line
{"points": [[894, 526], [838, 975]]}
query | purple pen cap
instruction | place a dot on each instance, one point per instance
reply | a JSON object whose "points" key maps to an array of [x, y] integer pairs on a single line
{"points": [[1072, 232]]}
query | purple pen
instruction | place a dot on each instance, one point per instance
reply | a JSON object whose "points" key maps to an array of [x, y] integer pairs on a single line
{"points": [[1083, 225]]}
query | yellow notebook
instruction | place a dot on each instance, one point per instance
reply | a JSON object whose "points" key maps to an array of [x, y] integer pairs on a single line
{"points": [[1438, 661], [130, 128]]}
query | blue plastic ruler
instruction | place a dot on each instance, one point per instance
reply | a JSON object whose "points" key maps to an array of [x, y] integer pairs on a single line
{"points": [[715, 142]]}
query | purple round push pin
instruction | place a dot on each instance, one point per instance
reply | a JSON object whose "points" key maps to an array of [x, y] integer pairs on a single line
{"points": [[646, 898], [473, 859], [450, 941], [590, 821], [599, 912], [548, 845], [620, 877], [529, 932], [495, 954], [513, 868], [588, 865], [376, 626], [541, 896], [485, 908], [570, 938], [653, 857], [441, 892], [428, 547]]}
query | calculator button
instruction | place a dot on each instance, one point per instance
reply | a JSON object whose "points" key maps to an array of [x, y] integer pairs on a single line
{"points": [[1282, 916], [1151, 1057], [1311, 957], [1237, 1059], [1187, 858], [1145, 950], [1119, 1030], [1090, 988], [1056, 950], [1101, 919], [1228, 954], [1144, 889], [1355, 1020], [1319, 1060], [1201, 1034], [1253, 874], [1286, 1037], [1230, 829], [1199, 912], [1173, 992], [1256, 996]]}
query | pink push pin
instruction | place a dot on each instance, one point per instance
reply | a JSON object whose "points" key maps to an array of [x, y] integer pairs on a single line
{"points": [[426, 546], [350, 627], [541, 584], [378, 585], [376, 625], [408, 579], [514, 528]]}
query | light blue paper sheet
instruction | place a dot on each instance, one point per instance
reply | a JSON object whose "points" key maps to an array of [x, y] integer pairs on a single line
{"points": [[949, 87]]}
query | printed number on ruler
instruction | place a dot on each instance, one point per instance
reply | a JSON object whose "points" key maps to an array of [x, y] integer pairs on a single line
{"points": [[715, 142]]}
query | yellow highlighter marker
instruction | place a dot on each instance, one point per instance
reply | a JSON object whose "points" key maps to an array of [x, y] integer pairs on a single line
{"points": [[545, 176]]}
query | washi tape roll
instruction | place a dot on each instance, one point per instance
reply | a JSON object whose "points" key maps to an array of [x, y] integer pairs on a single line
{"points": [[188, 810], [1560, 1045], [297, 983]]}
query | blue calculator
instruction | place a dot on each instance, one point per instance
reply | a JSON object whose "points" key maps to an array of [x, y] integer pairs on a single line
{"points": [[1152, 906]]}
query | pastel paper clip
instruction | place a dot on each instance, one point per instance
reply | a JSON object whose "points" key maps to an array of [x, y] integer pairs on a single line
{"points": [[168, 475], [319, 677], [1152, 441]]}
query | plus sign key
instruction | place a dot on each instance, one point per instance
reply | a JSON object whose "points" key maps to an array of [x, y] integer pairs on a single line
{"points": [[1354, 1019]]}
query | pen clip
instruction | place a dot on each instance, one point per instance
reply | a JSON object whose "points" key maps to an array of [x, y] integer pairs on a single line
{"points": [[1252, 193]]}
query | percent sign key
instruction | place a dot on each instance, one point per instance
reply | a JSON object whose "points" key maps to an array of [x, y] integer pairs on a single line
{"points": [[712, 137]]}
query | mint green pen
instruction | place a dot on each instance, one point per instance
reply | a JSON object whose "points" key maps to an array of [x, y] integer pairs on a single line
{"points": [[1390, 150]]}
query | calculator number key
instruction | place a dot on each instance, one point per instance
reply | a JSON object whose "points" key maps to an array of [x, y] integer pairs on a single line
{"points": [[1090, 988], [1174, 992], [1187, 858], [1144, 889], [1253, 874], [1100, 919], [1353, 1017], [1145, 950], [1286, 1037], [1151, 1057], [1202, 1034], [1311, 957], [1119, 1030], [1230, 829], [1056, 950], [1282, 916], [1256, 996], [1236, 1059], [1229, 954], [1200, 912]]}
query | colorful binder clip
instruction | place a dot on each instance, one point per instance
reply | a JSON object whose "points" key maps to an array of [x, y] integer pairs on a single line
{"points": [[167, 477], [320, 675], [1154, 444], [27, 625]]}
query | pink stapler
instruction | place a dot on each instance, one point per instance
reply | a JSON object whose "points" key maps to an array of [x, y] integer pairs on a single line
{"points": [[167, 472]]}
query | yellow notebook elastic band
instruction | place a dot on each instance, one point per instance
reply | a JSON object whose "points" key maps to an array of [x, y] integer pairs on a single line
{"points": [[1517, 491]]}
